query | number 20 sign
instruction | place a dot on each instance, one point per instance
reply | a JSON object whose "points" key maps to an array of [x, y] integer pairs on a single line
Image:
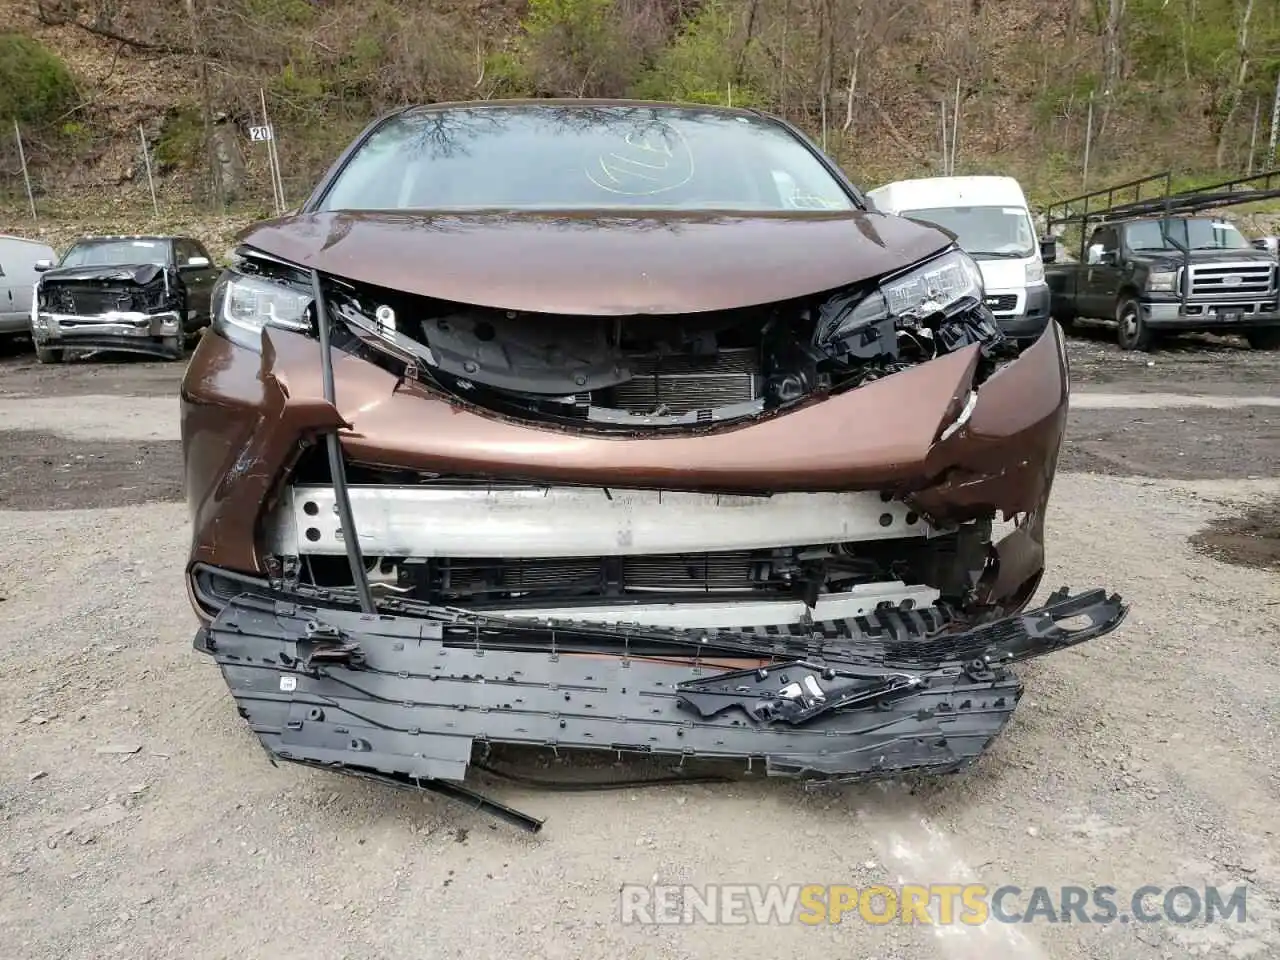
{"points": [[260, 133]]}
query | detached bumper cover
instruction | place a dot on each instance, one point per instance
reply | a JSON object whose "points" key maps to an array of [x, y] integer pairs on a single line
{"points": [[408, 697]]}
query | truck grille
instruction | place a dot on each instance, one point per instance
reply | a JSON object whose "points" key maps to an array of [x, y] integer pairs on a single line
{"points": [[682, 383], [87, 300], [1235, 280], [1002, 303]]}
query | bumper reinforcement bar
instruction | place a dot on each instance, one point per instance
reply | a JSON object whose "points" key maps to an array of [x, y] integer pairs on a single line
{"points": [[404, 699]]}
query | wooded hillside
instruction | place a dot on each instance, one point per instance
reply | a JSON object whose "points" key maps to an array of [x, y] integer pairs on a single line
{"points": [[1168, 82]]}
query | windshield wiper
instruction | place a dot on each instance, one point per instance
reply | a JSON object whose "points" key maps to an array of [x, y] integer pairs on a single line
{"points": [[1003, 255]]}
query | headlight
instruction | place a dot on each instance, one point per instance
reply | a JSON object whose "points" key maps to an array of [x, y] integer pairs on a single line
{"points": [[243, 305], [1035, 273], [946, 285], [1162, 279]]}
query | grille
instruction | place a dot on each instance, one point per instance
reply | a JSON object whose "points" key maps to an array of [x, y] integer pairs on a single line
{"points": [[1002, 303], [1231, 279], [90, 301], [682, 383], [481, 579]]}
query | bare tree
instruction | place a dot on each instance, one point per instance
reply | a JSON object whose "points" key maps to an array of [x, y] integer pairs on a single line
{"points": [[867, 25], [1112, 58], [206, 108], [1237, 86]]}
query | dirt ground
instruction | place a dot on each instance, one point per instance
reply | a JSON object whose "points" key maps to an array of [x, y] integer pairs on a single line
{"points": [[139, 819]]}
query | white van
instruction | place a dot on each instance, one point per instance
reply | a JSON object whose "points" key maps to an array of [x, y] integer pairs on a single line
{"points": [[18, 271], [993, 224]]}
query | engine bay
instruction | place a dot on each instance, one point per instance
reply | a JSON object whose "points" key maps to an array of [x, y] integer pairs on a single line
{"points": [[663, 370]]}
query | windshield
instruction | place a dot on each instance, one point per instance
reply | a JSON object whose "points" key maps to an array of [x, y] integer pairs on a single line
{"points": [[984, 231], [1198, 234], [583, 157], [95, 253]]}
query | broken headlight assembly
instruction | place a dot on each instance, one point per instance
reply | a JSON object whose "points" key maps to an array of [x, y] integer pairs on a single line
{"points": [[244, 303], [942, 287]]}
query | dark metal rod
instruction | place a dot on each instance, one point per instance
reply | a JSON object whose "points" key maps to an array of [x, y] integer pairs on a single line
{"points": [[342, 499], [478, 801], [445, 788]]}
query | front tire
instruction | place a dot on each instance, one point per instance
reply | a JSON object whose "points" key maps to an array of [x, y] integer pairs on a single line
{"points": [[173, 347], [1264, 339], [48, 355], [1132, 332]]}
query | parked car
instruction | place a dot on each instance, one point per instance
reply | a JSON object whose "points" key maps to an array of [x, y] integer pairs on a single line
{"points": [[18, 259], [1167, 265], [544, 419], [991, 221], [143, 294]]}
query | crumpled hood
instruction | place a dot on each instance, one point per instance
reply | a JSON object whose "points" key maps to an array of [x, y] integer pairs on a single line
{"points": [[140, 273], [589, 263]]}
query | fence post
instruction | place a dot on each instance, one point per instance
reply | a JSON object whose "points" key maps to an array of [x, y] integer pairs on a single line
{"points": [[146, 158], [22, 158], [1088, 142], [955, 129], [273, 162]]}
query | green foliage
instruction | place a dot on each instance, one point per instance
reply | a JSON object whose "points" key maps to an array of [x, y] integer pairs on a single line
{"points": [[575, 48], [300, 92], [36, 87], [283, 13], [181, 143], [1063, 90], [295, 80], [1193, 45], [707, 63], [505, 75], [356, 73]]}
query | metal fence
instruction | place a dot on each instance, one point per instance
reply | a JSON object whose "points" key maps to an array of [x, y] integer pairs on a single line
{"points": [[39, 170]]}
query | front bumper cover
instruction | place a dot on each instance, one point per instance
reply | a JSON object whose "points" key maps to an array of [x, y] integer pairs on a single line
{"points": [[130, 331], [1204, 315], [407, 697]]}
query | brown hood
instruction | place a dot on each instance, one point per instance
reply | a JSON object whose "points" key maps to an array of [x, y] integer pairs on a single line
{"points": [[592, 264]]}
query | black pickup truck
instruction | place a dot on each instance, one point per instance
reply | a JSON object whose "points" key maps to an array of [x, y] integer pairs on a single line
{"points": [[136, 294], [1166, 265], [1134, 275]]}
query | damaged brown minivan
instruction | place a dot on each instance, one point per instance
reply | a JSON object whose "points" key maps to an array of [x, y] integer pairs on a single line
{"points": [[621, 426]]}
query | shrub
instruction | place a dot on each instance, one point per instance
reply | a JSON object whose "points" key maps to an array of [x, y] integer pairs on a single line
{"points": [[36, 87]]}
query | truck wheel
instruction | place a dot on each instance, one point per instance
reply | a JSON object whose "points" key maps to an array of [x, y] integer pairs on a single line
{"points": [[1263, 339], [48, 355], [1132, 331], [173, 346]]}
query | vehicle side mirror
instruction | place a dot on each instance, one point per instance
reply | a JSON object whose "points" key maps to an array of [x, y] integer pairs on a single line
{"points": [[196, 263], [1049, 249], [43, 265]]}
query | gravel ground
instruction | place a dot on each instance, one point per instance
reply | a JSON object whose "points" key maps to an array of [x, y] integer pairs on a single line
{"points": [[139, 819]]}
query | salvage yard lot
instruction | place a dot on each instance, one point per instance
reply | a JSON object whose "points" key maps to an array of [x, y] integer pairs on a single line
{"points": [[138, 818]]}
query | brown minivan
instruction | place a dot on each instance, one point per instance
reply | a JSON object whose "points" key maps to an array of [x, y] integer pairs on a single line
{"points": [[617, 425]]}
